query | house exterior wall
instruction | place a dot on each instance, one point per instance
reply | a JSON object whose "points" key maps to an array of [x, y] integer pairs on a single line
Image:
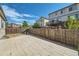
{"points": [[2, 25], [62, 14], [2, 29], [43, 23]]}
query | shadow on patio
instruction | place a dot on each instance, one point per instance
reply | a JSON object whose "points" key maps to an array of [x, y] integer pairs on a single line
{"points": [[55, 42]]}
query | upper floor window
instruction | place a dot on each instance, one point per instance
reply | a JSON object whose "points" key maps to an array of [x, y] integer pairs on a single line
{"points": [[70, 9], [61, 11], [56, 14]]}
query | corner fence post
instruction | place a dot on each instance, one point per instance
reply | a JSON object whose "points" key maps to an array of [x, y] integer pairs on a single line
{"points": [[78, 48], [78, 42]]}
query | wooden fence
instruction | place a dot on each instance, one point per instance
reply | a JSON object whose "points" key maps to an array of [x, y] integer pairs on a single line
{"points": [[67, 36], [13, 30]]}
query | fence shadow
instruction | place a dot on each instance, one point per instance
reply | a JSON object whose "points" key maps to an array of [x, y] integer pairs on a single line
{"points": [[55, 42], [8, 36]]}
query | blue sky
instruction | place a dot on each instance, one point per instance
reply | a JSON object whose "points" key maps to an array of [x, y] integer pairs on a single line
{"points": [[30, 12]]}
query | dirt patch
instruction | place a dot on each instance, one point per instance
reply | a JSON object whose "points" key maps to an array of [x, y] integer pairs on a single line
{"points": [[11, 35]]}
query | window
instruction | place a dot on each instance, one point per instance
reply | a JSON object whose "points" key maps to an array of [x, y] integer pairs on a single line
{"points": [[61, 11], [70, 9], [2, 25], [52, 20], [77, 16], [56, 14]]}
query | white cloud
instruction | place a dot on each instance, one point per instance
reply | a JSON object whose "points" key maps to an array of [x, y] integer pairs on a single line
{"points": [[14, 15], [10, 12], [28, 15], [16, 20]]}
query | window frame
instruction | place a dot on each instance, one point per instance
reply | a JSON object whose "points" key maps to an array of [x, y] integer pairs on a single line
{"points": [[70, 9]]}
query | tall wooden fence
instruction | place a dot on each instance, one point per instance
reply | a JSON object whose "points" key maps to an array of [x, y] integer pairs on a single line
{"points": [[13, 30], [67, 36]]}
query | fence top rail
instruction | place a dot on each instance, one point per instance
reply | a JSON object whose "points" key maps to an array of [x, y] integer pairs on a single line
{"points": [[56, 29]]}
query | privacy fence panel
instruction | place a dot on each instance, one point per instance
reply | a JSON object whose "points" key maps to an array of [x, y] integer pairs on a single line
{"points": [[13, 30], [67, 36]]}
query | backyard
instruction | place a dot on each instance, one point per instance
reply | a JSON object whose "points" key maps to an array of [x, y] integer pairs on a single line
{"points": [[32, 33], [29, 45]]}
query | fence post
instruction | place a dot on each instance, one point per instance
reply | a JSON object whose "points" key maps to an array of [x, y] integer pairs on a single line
{"points": [[78, 48], [78, 43]]}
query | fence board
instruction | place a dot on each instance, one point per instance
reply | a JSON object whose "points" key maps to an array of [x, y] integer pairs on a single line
{"points": [[67, 36], [13, 30]]}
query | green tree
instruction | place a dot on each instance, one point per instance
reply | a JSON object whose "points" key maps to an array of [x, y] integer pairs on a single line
{"points": [[72, 23], [36, 25], [25, 25], [42, 18], [69, 23]]}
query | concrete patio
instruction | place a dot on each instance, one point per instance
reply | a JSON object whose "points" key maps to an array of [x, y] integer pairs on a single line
{"points": [[28, 45]]}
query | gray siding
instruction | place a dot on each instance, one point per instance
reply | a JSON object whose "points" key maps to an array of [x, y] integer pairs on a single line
{"points": [[65, 13], [2, 33], [2, 28]]}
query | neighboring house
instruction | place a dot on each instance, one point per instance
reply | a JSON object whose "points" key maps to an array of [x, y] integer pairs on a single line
{"points": [[2, 23], [12, 25], [43, 22], [62, 15], [13, 28]]}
